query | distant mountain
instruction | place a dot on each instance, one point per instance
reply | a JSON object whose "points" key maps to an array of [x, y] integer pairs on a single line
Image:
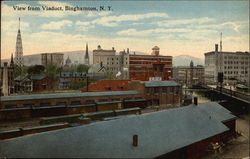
{"points": [[77, 57], [184, 60]]}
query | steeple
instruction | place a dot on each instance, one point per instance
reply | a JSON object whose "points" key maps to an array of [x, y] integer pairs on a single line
{"points": [[86, 58], [19, 48], [11, 61], [19, 25]]}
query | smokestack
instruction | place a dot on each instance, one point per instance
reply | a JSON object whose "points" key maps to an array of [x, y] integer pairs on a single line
{"points": [[135, 140], [216, 47], [195, 100], [221, 42]]}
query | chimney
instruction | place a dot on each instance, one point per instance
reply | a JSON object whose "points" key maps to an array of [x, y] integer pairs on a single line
{"points": [[216, 47], [135, 140], [113, 48], [127, 50], [195, 100]]}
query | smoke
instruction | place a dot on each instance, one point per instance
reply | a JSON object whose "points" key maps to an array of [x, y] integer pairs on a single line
{"points": [[118, 74]]}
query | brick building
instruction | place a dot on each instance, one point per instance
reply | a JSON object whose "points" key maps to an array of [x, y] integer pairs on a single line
{"points": [[150, 67], [159, 93], [108, 85], [155, 92], [190, 132], [42, 83]]}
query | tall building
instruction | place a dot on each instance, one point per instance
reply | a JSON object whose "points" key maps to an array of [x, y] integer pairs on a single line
{"points": [[235, 67], [117, 65], [19, 48], [150, 67], [52, 59], [189, 75], [86, 58]]}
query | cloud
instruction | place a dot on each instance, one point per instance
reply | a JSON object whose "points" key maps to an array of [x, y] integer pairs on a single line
{"points": [[169, 23], [233, 25], [134, 32], [56, 25], [112, 21], [12, 25]]}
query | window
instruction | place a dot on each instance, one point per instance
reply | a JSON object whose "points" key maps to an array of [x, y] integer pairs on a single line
{"points": [[90, 102], [75, 102], [156, 90], [171, 90], [44, 104], [164, 90], [61, 103], [102, 100], [148, 91], [10, 106], [28, 105], [115, 99]]}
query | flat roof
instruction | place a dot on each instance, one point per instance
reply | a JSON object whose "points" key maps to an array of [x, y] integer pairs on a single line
{"points": [[224, 52], [161, 84], [66, 95]]}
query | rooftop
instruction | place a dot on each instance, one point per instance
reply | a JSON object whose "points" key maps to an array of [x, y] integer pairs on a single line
{"points": [[66, 95], [175, 128], [226, 52], [161, 84]]}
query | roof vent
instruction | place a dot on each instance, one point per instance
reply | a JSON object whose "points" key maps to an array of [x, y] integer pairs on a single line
{"points": [[135, 140]]}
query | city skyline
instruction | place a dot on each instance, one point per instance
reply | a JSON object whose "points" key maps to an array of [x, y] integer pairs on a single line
{"points": [[178, 28]]}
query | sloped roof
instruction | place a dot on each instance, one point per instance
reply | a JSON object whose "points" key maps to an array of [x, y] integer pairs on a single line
{"points": [[158, 133], [66, 95], [216, 111], [22, 77], [37, 77], [161, 83]]}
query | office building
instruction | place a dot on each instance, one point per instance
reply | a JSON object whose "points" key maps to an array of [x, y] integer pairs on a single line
{"points": [[52, 59], [235, 67]]}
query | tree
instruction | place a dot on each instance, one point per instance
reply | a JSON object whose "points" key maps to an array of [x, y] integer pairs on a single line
{"points": [[52, 71], [36, 69], [82, 68]]}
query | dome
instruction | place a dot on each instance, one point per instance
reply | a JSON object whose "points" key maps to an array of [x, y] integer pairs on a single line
{"points": [[68, 61]]}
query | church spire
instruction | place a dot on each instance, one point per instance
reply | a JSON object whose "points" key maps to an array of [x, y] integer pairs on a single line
{"points": [[19, 48], [19, 24], [86, 58]]}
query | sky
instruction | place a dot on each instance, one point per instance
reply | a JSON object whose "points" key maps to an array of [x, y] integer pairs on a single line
{"points": [[177, 27]]}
